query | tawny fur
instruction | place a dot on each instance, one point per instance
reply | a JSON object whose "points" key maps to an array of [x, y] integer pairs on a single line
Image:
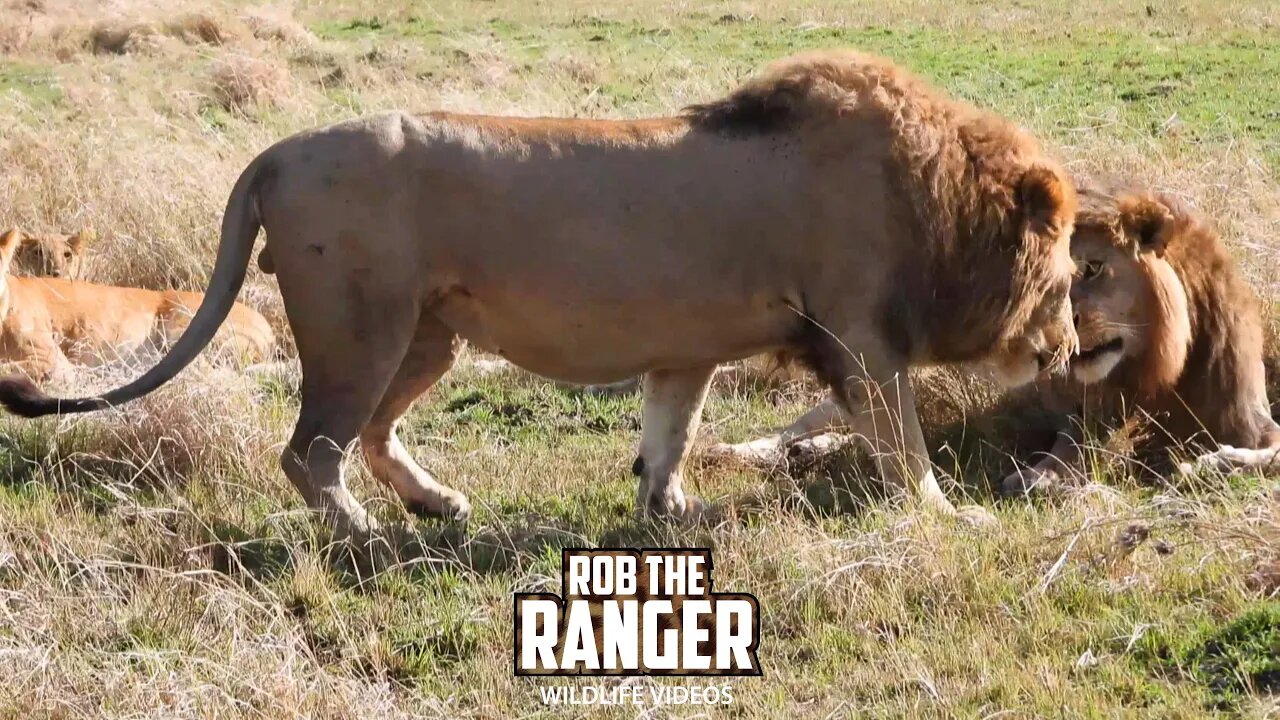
{"points": [[49, 255], [837, 208], [1197, 377], [1195, 372], [1208, 385], [48, 325]]}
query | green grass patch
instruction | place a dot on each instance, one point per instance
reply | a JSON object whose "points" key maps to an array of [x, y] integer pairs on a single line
{"points": [[1229, 660], [521, 413], [35, 86], [1129, 84]]}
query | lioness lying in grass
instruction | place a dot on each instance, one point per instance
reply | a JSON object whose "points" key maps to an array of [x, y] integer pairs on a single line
{"points": [[49, 325]]}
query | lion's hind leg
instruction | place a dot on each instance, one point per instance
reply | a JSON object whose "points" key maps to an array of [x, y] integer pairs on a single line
{"points": [[430, 356], [350, 352]]}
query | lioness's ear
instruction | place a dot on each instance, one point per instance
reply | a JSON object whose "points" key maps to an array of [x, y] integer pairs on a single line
{"points": [[1148, 221], [9, 243], [10, 240], [76, 242], [1047, 199]]}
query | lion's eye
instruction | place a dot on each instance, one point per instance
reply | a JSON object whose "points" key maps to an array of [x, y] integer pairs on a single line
{"points": [[1092, 269]]}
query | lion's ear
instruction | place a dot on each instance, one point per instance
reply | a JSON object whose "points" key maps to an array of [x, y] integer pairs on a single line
{"points": [[9, 244], [1147, 221], [10, 241], [76, 242], [1048, 201]]}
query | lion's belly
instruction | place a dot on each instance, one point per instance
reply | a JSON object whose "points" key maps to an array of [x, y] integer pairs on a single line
{"points": [[585, 343]]}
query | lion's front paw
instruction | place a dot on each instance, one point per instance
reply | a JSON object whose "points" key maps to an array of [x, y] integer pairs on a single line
{"points": [[1228, 459], [448, 505], [811, 449], [765, 451], [353, 525], [456, 507], [1029, 481]]}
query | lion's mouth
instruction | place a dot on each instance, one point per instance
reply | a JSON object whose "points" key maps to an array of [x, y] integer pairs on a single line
{"points": [[1097, 351], [1096, 363]]}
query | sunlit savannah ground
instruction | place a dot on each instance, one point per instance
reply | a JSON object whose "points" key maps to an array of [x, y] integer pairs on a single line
{"points": [[154, 562]]}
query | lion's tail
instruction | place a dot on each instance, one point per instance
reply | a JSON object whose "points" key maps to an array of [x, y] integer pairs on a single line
{"points": [[240, 225]]}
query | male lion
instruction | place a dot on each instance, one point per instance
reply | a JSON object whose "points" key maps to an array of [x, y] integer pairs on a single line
{"points": [[48, 325], [1168, 329], [836, 206]]}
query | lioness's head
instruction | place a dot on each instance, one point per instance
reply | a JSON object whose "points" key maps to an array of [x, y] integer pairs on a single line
{"points": [[50, 255], [1128, 300], [1046, 337]]}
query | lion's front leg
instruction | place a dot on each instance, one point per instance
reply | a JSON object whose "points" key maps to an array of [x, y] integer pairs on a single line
{"points": [[1048, 472], [814, 425], [874, 390], [673, 402], [1228, 458]]}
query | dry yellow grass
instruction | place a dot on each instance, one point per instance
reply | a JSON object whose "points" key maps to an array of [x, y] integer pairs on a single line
{"points": [[155, 563], [242, 83]]}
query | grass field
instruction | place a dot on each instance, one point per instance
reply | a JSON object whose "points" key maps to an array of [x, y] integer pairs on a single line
{"points": [[154, 562]]}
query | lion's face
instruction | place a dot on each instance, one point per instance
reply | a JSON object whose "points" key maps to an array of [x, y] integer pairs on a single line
{"points": [[52, 255], [1108, 298], [1128, 300], [1049, 338]]}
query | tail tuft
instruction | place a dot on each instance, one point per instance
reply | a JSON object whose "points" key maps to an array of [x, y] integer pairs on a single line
{"points": [[21, 397]]}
